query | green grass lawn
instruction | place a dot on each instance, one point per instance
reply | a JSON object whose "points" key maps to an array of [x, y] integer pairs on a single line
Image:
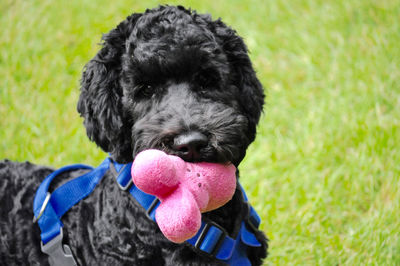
{"points": [[324, 170]]}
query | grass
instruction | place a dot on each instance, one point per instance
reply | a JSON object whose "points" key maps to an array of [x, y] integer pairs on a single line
{"points": [[324, 170]]}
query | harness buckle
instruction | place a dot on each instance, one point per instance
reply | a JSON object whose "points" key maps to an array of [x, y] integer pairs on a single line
{"points": [[127, 186], [151, 209], [59, 254], [121, 181], [207, 243]]}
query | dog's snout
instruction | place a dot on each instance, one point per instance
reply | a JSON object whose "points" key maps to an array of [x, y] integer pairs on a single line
{"points": [[188, 145]]}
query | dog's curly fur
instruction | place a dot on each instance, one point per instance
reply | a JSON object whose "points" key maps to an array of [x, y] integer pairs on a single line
{"points": [[159, 75]]}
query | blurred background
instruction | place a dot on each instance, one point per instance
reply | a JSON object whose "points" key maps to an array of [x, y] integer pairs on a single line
{"points": [[324, 170]]}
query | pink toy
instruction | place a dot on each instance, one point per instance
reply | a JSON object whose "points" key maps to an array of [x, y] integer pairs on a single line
{"points": [[184, 189]]}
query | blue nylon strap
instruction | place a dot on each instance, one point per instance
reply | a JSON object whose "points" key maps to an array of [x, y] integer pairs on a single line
{"points": [[124, 173], [144, 199], [239, 256], [64, 197], [254, 218], [253, 221], [210, 238], [41, 193], [192, 241], [248, 237], [124, 177], [69, 194], [50, 225], [231, 250], [226, 249]]}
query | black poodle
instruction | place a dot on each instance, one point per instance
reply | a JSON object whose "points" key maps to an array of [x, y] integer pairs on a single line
{"points": [[168, 79]]}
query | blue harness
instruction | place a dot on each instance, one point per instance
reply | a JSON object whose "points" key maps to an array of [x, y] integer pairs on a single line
{"points": [[48, 209]]}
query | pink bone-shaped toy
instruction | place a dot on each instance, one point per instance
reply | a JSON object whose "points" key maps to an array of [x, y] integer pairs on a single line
{"points": [[185, 190]]}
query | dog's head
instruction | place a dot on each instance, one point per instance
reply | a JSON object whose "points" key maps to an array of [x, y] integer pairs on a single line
{"points": [[173, 80]]}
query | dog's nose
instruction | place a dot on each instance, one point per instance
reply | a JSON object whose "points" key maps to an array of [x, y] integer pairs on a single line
{"points": [[188, 145]]}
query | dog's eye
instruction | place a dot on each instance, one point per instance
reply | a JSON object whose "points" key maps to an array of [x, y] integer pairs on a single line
{"points": [[145, 91], [202, 90]]}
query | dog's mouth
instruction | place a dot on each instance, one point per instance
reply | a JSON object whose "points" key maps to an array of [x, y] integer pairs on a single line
{"points": [[208, 154], [193, 147]]}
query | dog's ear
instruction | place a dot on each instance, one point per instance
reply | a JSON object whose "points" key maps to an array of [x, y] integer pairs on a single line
{"points": [[244, 77], [100, 101]]}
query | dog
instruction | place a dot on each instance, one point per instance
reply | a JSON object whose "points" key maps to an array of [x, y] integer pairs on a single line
{"points": [[168, 79]]}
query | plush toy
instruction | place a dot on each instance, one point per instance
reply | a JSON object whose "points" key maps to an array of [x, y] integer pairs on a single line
{"points": [[185, 190]]}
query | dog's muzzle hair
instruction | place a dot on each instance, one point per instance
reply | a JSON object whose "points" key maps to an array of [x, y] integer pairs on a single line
{"points": [[196, 129]]}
